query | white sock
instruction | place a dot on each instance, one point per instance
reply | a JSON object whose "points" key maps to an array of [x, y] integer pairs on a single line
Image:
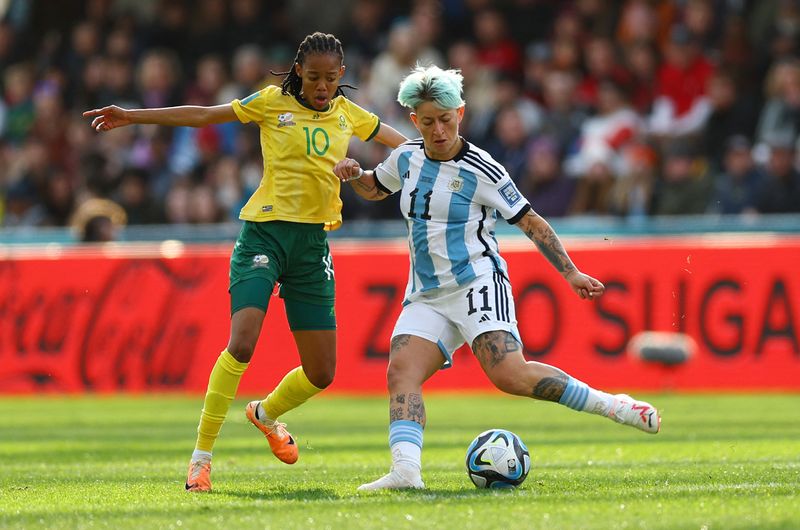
{"points": [[261, 415], [407, 455], [198, 455]]}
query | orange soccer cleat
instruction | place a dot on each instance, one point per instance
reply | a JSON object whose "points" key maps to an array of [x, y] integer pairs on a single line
{"points": [[199, 478], [280, 440]]}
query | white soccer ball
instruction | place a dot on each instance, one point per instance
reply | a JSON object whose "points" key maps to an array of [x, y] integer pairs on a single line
{"points": [[497, 459]]}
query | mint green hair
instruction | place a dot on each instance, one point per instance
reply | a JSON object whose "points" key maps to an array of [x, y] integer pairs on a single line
{"points": [[431, 83]]}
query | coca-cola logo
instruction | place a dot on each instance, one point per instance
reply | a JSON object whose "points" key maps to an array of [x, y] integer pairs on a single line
{"points": [[112, 325]]}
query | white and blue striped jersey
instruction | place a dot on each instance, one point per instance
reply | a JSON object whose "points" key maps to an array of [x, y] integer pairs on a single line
{"points": [[450, 208]]}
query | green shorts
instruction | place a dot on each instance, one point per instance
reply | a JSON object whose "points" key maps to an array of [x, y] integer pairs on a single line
{"points": [[296, 255]]}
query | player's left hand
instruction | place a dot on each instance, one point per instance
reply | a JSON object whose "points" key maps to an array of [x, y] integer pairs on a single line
{"points": [[584, 285]]}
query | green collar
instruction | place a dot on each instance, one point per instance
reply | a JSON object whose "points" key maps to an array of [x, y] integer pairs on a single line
{"points": [[305, 103]]}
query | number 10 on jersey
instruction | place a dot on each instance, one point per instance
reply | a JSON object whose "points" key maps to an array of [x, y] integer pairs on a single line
{"points": [[314, 142]]}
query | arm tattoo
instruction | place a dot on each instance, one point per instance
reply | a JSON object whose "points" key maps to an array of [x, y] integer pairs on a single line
{"points": [[550, 388], [546, 240], [367, 188], [492, 347]]}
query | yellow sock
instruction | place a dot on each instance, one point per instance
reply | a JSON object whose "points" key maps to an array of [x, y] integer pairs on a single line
{"points": [[291, 392], [222, 385]]}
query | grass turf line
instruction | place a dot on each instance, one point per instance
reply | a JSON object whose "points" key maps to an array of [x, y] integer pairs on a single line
{"points": [[721, 461]]}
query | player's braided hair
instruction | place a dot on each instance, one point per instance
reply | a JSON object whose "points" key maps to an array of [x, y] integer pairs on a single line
{"points": [[317, 42]]}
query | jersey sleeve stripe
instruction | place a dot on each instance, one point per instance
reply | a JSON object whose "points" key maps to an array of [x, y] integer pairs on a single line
{"points": [[381, 187], [375, 132], [491, 170], [483, 170], [519, 215]]}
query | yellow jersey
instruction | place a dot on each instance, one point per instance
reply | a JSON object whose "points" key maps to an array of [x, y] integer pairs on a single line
{"points": [[300, 145]]}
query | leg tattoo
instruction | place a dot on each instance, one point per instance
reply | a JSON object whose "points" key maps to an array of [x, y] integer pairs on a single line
{"points": [[492, 347], [398, 341], [550, 388], [407, 407]]}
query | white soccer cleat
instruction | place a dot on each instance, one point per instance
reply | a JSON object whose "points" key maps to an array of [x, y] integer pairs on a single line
{"points": [[396, 479], [639, 414]]}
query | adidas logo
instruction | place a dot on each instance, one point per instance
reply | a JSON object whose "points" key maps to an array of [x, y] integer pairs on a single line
{"points": [[484, 318]]}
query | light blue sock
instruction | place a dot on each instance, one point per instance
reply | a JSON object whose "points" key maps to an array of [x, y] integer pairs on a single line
{"points": [[580, 396]]}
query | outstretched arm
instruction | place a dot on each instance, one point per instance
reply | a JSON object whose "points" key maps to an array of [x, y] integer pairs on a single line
{"points": [[112, 116], [389, 136], [544, 237], [363, 182]]}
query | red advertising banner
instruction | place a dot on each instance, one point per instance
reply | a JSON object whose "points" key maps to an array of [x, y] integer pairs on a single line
{"points": [[132, 318]]}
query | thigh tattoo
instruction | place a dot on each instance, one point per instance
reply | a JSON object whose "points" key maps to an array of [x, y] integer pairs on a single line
{"points": [[492, 347], [399, 341]]}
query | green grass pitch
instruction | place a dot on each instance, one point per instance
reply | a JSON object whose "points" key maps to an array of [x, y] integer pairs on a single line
{"points": [[721, 461]]}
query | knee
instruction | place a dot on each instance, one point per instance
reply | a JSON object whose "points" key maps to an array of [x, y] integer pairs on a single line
{"points": [[321, 377], [397, 373], [241, 350]]}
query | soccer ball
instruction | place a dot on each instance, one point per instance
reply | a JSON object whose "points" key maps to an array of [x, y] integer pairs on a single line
{"points": [[497, 459]]}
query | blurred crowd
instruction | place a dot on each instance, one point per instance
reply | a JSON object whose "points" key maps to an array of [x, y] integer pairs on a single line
{"points": [[630, 108]]}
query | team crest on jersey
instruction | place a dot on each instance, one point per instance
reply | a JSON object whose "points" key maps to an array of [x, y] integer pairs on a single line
{"points": [[509, 194], [285, 119], [455, 184], [342, 122], [261, 261]]}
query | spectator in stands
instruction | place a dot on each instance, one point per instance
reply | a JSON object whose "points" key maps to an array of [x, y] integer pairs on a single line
{"points": [[133, 194], [509, 141], [402, 53], [684, 186], [736, 188], [597, 162], [18, 109], [780, 117], [780, 192], [562, 118], [681, 106], [631, 194], [732, 114], [98, 220], [496, 50], [543, 182], [641, 60], [601, 64], [479, 86]]}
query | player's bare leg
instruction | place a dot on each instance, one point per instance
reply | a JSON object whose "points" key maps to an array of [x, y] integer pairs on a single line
{"points": [[412, 361], [500, 356]]}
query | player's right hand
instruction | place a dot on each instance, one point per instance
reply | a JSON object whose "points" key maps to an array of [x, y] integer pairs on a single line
{"points": [[108, 118], [347, 169]]}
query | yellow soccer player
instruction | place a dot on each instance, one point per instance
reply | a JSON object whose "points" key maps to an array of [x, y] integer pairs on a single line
{"points": [[306, 126]]}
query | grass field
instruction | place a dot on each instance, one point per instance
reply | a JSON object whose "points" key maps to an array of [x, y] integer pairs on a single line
{"points": [[720, 462]]}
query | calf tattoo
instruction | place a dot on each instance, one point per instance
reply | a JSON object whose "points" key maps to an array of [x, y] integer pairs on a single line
{"points": [[416, 408], [550, 388], [407, 407]]}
